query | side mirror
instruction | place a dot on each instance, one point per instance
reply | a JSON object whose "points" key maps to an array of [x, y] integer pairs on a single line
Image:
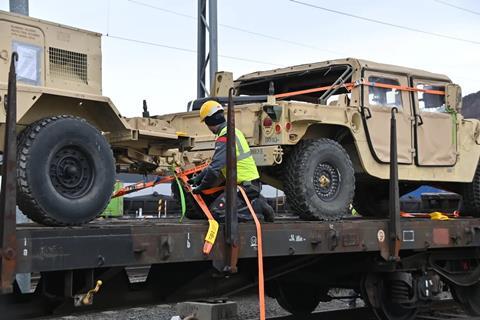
{"points": [[222, 83], [453, 97]]}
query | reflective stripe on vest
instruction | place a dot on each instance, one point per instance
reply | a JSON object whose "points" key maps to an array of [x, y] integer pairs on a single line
{"points": [[246, 167]]}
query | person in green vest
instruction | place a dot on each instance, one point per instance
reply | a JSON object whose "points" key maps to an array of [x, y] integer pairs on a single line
{"points": [[212, 113]]}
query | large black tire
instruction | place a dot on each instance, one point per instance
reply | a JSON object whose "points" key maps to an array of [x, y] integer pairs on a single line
{"points": [[471, 196], [65, 171], [319, 180]]}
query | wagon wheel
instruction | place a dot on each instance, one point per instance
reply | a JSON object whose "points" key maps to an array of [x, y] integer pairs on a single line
{"points": [[468, 298], [298, 298], [383, 296]]}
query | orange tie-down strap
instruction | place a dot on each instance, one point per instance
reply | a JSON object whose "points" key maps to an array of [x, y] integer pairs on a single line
{"points": [[183, 175], [144, 185], [350, 85], [261, 288], [432, 215], [213, 226]]}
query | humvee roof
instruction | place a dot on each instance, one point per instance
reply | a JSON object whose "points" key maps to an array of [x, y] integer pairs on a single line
{"points": [[347, 61]]}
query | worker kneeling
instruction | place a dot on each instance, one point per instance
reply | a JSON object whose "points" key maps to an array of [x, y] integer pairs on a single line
{"points": [[212, 113]]}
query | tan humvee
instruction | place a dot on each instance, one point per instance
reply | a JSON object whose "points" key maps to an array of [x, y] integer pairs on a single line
{"points": [[320, 147], [316, 145]]}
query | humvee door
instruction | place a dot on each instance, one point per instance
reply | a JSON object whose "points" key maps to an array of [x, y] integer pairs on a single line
{"points": [[435, 133], [378, 103]]}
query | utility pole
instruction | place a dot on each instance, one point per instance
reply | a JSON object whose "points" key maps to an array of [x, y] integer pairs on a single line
{"points": [[204, 59], [19, 7]]}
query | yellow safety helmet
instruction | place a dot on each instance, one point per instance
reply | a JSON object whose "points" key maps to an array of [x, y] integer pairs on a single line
{"points": [[209, 108]]}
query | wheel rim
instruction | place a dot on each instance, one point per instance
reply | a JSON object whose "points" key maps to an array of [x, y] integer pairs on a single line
{"points": [[326, 181], [71, 172]]}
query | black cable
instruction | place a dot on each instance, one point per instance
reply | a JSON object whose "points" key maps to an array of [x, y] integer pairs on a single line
{"points": [[187, 50], [457, 7], [267, 36], [440, 35]]}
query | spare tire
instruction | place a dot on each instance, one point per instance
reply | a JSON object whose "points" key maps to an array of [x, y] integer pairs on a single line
{"points": [[319, 180], [65, 171]]}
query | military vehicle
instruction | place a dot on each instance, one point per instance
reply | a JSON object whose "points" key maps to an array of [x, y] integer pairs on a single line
{"points": [[71, 138], [319, 132]]}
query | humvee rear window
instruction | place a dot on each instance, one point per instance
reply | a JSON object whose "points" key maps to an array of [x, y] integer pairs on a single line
{"points": [[431, 102], [384, 96]]}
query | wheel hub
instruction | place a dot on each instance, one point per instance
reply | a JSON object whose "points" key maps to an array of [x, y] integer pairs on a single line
{"points": [[71, 172], [326, 181]]}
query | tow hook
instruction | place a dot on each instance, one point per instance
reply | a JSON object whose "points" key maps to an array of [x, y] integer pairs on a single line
{"points": [[87, 298]]}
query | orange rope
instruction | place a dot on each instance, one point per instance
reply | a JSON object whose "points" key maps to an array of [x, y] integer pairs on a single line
{"points": [[261, 280]]}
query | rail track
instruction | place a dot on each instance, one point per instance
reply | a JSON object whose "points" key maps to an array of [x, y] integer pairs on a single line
{"points": [[441, 310]]}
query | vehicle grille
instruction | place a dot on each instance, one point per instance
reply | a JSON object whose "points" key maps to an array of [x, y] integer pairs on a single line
{"points": [[68, 65]]}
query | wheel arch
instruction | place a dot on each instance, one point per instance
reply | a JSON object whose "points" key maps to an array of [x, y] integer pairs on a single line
{"points": [[339, 133]]}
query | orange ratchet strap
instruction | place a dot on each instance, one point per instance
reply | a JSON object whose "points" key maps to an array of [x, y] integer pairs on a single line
{"points": [[261, 280], [401, 88], [182, 175], [212, 223], [213, 190], [350, 85], [143, 185]]}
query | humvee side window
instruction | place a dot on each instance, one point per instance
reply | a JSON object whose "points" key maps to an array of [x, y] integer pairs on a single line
{"points": [[384, 96], [431, 102]]}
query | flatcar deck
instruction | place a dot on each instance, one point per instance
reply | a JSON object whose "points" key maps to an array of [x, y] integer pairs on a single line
{"points": [[109, 243]]}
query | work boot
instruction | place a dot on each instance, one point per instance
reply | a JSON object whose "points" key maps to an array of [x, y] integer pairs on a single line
{"points": [[261, 206], [268, 213]]}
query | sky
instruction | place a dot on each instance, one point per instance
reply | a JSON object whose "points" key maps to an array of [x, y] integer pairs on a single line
{"points": [[292, 33]]}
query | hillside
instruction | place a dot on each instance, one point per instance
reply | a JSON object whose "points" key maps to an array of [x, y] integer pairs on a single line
{"points": [[471, 105]]}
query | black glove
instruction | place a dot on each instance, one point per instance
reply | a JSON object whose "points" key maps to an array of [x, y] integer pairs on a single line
{"points": [[197, 190], [195, 180]]}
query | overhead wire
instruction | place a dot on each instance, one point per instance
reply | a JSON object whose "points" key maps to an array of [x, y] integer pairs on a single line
{"points": [[343, 13], [235, 28], [457, 7], [156, 44]]}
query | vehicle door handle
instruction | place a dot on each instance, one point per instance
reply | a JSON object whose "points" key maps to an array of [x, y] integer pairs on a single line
{"points": [[420, 120], [367, 114]]}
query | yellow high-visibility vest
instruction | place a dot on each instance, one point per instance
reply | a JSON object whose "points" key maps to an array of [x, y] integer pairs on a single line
{"points": [[246, 167]]}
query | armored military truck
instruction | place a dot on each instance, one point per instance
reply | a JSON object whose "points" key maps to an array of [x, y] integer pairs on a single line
{"points": [[317, 131]]}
